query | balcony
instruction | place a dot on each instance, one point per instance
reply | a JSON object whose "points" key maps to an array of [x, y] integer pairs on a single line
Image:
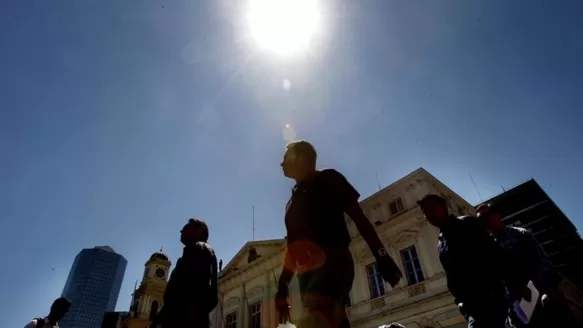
{"points": [[398, 298]]}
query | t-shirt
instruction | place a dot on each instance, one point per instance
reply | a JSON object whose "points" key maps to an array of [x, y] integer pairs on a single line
{"points": [[314, 215]]}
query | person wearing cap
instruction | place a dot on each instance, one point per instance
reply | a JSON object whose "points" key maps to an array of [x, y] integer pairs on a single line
{"points": [[192, 292], [59, 308], [473, 265], [529, 263], [318, 240]]}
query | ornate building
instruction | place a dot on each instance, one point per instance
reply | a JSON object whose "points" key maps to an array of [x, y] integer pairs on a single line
{"points": [[148, 298], [421, 299], [247, 286]]}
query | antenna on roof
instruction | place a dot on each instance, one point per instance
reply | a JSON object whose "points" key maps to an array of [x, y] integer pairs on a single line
{"points": [[378, 182], [475, 186]]}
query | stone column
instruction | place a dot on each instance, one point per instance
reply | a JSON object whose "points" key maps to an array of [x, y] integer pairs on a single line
{"points": [[143, 302], [357, 283], [266, 304], [242, 305], [425, 254]]}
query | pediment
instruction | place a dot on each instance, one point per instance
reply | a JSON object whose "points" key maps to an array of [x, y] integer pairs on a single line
{"points": [[263, 249], [255, 292], [232, 302], [405, 236]]}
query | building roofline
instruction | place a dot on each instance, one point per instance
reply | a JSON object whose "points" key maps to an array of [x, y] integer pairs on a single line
{"points": [[398, 181], [533, 180], [248, 245], [105, 248]]}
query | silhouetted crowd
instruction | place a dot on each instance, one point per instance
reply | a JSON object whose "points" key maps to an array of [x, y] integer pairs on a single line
{"points": [[499, 276]]}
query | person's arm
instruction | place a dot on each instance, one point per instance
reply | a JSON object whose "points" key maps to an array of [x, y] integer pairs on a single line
{"points": [[365, 227], [287, 271], [542, 271], [454, 284], [346, 197]]}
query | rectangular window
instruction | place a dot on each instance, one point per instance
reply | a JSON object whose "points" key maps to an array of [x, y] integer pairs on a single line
{"points": [[231, 320], [412, 265], [375, 282], [255, 315], [396, 206]]}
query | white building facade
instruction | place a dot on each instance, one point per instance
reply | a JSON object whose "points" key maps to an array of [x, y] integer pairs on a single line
{"points": [[247, 285]]}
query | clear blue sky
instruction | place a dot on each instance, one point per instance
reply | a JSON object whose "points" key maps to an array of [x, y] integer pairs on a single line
{"points": [[119, 120]]}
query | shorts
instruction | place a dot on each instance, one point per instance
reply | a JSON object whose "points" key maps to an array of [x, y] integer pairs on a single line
{"points": [[333, 279], [325, 292]]}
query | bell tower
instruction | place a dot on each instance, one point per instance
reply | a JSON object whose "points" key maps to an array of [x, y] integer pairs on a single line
{"points": [[148, 298]]}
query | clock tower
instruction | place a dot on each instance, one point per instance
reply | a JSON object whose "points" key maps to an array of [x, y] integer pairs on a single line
{"points": [[148, 298]]}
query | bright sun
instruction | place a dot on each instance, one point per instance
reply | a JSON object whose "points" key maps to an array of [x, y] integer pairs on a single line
{"points": [[283, 26]]}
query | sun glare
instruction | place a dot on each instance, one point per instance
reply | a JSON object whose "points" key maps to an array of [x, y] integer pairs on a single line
{"points": [[283, 26]]}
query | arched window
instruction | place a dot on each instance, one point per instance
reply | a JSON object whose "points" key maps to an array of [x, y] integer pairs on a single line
{"points": [[153, 310]]}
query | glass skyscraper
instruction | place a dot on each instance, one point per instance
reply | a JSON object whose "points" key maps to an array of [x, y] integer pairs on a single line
{"points": [[93, 286]]}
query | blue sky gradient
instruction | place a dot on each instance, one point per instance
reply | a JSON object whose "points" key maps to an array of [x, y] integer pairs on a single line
{"points": [[119, 120]]}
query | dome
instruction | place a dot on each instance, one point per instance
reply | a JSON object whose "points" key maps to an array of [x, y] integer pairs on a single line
{"points": [[160, 256]]}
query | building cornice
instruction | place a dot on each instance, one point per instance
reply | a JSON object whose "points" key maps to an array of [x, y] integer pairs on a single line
{"points": [[418, 172], [240, 254], [255, 269]]}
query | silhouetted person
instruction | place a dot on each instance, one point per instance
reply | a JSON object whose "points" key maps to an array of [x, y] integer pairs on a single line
{"points": [[473, 265], [529, 263], [191, 293], [59, 308], [318, 239]]}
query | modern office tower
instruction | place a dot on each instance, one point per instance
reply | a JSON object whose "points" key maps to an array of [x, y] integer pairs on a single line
{"points": [[93, 286]]}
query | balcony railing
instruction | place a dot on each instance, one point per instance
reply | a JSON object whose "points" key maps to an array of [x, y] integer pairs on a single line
{"points": [[399, 297], [377, 303], [416, 289]]}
